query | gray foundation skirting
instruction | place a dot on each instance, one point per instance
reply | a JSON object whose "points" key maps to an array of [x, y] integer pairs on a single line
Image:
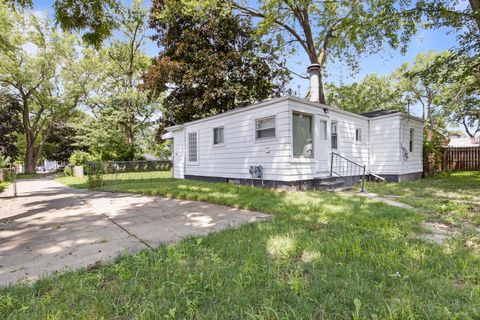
{"points": [[402, 177]]}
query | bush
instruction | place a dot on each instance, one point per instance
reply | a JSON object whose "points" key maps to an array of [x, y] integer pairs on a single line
{"points": [[80, 158], [67, 170]]}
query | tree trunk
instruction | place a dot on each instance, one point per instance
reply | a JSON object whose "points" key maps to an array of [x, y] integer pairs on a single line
{"points": [[475, 4], [30, 159]]}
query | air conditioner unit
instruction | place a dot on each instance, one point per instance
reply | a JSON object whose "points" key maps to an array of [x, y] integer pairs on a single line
{"points": [[256, 172]]}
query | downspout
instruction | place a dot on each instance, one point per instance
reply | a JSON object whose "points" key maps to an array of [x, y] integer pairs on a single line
{"points": [[185, 152], [369, 146]]}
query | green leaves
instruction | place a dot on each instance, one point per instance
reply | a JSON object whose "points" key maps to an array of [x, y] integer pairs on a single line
{"points": [[210, 62]]}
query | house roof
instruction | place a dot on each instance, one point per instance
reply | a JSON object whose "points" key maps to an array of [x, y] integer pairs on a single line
{"points": [[464, 142], [281, 99], [378, 113]]}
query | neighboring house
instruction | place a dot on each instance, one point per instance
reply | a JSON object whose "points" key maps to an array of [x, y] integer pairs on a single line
{"points": [[50, 165], [464, 142], [149, 157], [295, 142]]}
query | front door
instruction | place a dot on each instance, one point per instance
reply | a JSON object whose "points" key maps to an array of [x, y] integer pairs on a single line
{"points": [[323, 144]]}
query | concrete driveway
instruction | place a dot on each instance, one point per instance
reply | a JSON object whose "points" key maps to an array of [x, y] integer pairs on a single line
{"points": [[50, 227]]}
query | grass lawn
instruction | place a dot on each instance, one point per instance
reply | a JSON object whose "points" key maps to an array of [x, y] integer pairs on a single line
{"points": [[323, 256], [450, 197]]}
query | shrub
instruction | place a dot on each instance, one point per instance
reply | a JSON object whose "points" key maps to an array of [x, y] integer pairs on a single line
{"points": [[67, 170], [80, 158]]}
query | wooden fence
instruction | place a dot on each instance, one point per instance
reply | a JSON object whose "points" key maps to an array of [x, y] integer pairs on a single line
{"points": [[461, 159]]}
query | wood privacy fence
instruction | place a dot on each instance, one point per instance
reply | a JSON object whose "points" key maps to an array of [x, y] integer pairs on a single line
{"points": [[461, 159]]}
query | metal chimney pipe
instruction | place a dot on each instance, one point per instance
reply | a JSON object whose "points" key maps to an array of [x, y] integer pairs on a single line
{"points": [[313, 71]]}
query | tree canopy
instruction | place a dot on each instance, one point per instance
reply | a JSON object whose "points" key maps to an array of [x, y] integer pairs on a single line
{"points": [[209, 63], [10, 125], [36, 68], [372, 93], [330, 30]]}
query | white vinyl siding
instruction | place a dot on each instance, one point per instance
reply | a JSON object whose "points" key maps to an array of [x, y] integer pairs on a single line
{"points": [[411, 133], [178, 156]]}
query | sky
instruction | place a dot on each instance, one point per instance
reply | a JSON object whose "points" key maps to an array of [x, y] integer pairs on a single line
{"points": [[382, 63]]}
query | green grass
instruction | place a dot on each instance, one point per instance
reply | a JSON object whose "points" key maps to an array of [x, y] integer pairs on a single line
{"points": [[323, 256], [450, 197]]}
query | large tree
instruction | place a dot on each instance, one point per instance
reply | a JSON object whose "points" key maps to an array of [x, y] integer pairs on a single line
{"points": [[97, 19], [210, 62], [371, 93], [463, 62], [330, 30], [113, 96], [10, 125], [61, 142], [35, 68]]}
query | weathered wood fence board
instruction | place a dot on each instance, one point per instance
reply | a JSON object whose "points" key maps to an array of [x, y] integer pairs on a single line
{"points": [[461, 159]]}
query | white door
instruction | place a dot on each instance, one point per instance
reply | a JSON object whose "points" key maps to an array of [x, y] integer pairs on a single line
{"points": [[323, 144]]}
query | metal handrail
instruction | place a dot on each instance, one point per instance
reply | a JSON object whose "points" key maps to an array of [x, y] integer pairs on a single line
{"points": [[349, 172]]}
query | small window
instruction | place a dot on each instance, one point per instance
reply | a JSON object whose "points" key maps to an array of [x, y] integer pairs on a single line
{"points": [[334, 135], [358, 135], [218, 136], [411, 140], [302, 135], [265, 128], [192, 147], [323, 129]]}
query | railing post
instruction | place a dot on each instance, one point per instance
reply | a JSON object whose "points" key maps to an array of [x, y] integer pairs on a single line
{"points": [[331, 165], [14, 181], [363, 179]]}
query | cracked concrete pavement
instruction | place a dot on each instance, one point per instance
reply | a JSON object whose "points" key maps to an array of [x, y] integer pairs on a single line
{"points": [[50, 227]]}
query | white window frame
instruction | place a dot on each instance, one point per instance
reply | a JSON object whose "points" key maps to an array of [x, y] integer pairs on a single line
{"points": [[358, 135], [312, 116], [213, 137], [188, 148], [274, 127], [331, 134]]}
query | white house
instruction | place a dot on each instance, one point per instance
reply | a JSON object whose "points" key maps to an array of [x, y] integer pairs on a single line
{"points": [[297, 142]]}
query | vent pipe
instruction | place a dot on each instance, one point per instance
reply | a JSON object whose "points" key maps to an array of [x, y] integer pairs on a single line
{"points": [[313, 71]]}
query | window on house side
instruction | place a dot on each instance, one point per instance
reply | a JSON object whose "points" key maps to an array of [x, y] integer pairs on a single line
{"points": [[218, 135], [334, 135], [302, 135], [192, 147], [265, 128], [358, 135], [411, 140]]}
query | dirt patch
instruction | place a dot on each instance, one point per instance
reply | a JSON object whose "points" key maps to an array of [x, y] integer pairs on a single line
{"points": [[438, 232]]}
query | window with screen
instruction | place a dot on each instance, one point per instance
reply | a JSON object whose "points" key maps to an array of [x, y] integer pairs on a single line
{"points": [[265, 128], [218, 136], [192, 147], [334, 134], [302, 135]]}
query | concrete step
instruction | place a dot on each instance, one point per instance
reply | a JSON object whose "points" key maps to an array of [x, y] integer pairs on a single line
{"points": [[332, 184]]}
